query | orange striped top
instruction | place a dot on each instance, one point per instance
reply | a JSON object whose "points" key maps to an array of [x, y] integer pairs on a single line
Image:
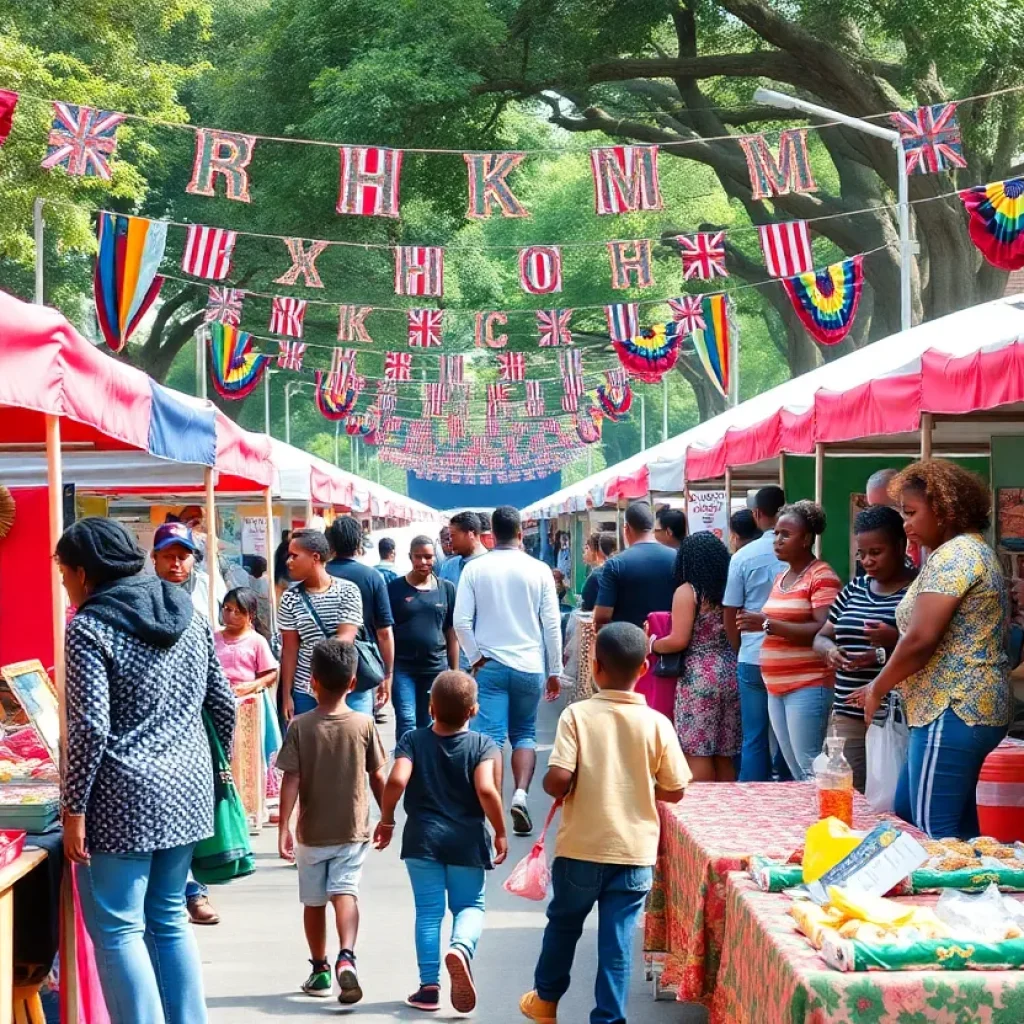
{"points": [[785, 666]]}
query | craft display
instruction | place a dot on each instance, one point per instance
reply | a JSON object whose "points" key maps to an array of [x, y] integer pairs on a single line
{"points": [[235, 368], [996, 221], [826, 301]]}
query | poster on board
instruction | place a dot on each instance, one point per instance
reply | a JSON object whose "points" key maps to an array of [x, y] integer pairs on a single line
{"points": [[706, 510], [254, 534]]}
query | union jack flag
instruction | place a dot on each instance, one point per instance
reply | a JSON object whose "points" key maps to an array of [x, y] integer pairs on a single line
{"points": [[703, 255], [512, 366], [497, 397], [434, 398], [930, 136], [451, 369], [290, 355], [425, 327], [534, 398], [224, 306], [81, 139], [553, 325], [623, 320], [688, 312], [398, 365], [287, 316]]}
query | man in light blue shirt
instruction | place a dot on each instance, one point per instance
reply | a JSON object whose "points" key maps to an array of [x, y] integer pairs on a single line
{"points": [[752, 572]]}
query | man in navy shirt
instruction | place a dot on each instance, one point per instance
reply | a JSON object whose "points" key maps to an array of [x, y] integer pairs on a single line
{"points": [[639, 581]]}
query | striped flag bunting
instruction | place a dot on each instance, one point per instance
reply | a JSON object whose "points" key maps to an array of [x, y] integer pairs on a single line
{"points": [[571, 365], [287, 316], [451, 369], [208, 252], [511, 366], [534, 398], [623, 320], [434, 398], [497, 397], [369, 181], [786, 247], [343, 365]]}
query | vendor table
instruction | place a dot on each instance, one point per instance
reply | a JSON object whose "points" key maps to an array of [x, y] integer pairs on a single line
{"points": [[28, 860], [715, 829], [770, 974]]}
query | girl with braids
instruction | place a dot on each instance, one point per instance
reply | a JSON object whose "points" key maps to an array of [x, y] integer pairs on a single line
{"points": [[860, 633], [798, 680], [707, 701]]}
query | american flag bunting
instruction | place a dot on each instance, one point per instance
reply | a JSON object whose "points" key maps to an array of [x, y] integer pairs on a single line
{"points": [[425, 327], [511, 366], [787, 248], [534, 398], [434, 398], [208, 252], [290, 354], [224, 306], [623, 320], [81, 139], [703, 255], [688, 312], [930, 136], [287, 316]]}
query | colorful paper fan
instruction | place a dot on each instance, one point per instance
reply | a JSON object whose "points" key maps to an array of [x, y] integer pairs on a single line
{"points": [[360, 426], [652, 353], [125, 281], [588, 424], [827, 301], [333, 405], [712, 343], [615, 402], [996, 221], [234, 367]]}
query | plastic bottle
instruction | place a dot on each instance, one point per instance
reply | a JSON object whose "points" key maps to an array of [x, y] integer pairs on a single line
{"points": [[833, 777]]}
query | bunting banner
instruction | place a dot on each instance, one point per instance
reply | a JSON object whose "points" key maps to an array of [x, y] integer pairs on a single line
{"points": [[397, 366], [456, 428], [712, 342], [930, 137], [703, 255], [652, 353], [826, 302], [623, 320], [787, 248], [790, 173], [553, 325], [81, 139], [425, 327], [369, 181], [484, 330], [434, 398], [511, 366], [287, 316], [290, 355], [224, 306], [540, 269], [534, 405], [225, 156], [352, 326], [688, 312], [570, 364], [208, 252], [625, 179], [451, 370], [995, 221], [334, 405], [615, 396], [234, 368], [631, 264], [588, 425], [488, 185], [419, 270], [497, 398], [303, 263], [8, 105], [360, 426], [125, 279], [343, 368]]}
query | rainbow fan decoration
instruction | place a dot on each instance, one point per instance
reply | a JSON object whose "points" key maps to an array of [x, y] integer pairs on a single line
{"points": [[996, 221], [826, 300], [650, 354], [713, 342], [234, 367], [125, 281], [615, 401], [334, 405]]}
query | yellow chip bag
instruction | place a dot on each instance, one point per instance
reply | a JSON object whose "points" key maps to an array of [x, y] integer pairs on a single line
{"points": [[827, 842]]}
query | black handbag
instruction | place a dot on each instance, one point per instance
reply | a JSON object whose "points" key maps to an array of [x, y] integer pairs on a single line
{"points": [[370, 665], [669, 666]]}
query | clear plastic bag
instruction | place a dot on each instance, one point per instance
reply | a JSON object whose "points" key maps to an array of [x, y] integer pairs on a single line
{"points": [[886, 753], [531, 877]]}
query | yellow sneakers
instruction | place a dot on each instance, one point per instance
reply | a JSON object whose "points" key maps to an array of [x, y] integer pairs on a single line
{"points": [[540, 1010]]}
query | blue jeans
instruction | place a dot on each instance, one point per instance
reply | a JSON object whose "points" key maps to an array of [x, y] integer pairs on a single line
{"points": [[619, 892], [464, 888], [410, 695], [799, 720], [937, 790], [508, 704], [146, 953], [757, 761], [362, 702], [194, 889]]}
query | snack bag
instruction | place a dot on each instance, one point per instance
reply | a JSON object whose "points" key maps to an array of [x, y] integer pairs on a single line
{"points": [[828, 841]]}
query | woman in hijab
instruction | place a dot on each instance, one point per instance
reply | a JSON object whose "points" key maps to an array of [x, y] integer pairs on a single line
{"points": [[138, 791]]}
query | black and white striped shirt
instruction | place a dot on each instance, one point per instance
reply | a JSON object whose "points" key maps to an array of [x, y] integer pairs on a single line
{"points": [[856, 605]]}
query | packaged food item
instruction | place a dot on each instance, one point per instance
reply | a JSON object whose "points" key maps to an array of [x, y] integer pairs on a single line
{"points": [[987, 917], [828, 841]]}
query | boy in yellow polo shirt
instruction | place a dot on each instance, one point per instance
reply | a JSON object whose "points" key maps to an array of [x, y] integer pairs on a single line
{"points": [[613, 758]]}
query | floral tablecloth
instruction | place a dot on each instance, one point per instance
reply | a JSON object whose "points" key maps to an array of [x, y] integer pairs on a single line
{"points": [[770, 974], [716, 829]]}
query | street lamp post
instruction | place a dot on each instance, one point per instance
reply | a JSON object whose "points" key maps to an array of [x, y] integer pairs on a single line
{"points": [[770, 97], [288, 410]]}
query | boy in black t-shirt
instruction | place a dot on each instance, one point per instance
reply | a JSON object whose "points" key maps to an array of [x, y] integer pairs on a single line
{"points": [[451, 781]]}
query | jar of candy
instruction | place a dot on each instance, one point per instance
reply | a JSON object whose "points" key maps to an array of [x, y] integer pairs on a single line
{"points": [[833, 777]]}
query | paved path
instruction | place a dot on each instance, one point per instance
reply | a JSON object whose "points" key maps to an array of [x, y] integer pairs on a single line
{"points": [[254, 961]]}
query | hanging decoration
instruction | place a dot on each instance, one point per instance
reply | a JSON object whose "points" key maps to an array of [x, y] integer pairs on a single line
{"points": [[369, 181], [995, 220], [125, 279], [688, 312], [287, 316], [456, 428], [235, 369], [540, 269], [625, 179], [827, 301], [553, 325], [631, 260], [488, 185], [360, 426], [223, 155], [703, 255], [588, 424], [342, 371], [534, 405], [208, 252], [712, 342], [81, 139], [930, 137], [790, 173], [787, 248], [435, 396], [615, 396], [352, 326], [8, 104], [652, 353], [451, 370], [334, 405], [484, 330], [425, 327], [398, 366], [224, 306], [497, 398], [303, 263], [570, 363], [290, 355], [511, 366], [419, 270], [623, 320]]}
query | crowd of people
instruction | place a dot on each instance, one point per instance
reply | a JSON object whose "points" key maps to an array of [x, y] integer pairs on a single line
{"points": [[708, 665]]}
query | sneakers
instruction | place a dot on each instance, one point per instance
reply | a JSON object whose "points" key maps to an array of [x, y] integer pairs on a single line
{"points": [[426, 997], [200, 911], [522, 825], [319, 981], [348, 980], [540, 1010], [463, 990]]}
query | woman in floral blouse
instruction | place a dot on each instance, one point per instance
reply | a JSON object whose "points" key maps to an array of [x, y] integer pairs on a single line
{"points": [[138, 787], [950, 662]]}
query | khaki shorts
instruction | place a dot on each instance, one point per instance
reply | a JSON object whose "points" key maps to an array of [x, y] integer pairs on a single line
{"points": [[326, 871]]}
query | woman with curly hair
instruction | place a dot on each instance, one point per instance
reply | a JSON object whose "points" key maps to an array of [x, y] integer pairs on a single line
{"points": [[950, 662], [798, 680], [707, 702]]}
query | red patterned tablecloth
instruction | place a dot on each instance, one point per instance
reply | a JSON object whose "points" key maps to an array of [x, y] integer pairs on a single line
{"points": [[716, 829], [770, 974]]}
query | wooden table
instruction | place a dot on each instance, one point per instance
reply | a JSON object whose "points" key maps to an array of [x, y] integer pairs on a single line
{"points": [[29, 859]]}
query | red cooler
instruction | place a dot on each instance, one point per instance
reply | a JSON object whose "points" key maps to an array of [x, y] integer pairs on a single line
{"points": [[1001, 792]]}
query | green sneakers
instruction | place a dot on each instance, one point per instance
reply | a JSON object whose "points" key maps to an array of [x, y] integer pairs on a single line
{"points": [[320, 981]]}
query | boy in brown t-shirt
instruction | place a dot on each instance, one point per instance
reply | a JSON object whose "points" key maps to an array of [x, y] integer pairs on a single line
{"points": [[324, 756]]}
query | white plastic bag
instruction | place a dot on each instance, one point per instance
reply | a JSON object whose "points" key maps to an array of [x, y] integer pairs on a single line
{"points": [[886, 753]]}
